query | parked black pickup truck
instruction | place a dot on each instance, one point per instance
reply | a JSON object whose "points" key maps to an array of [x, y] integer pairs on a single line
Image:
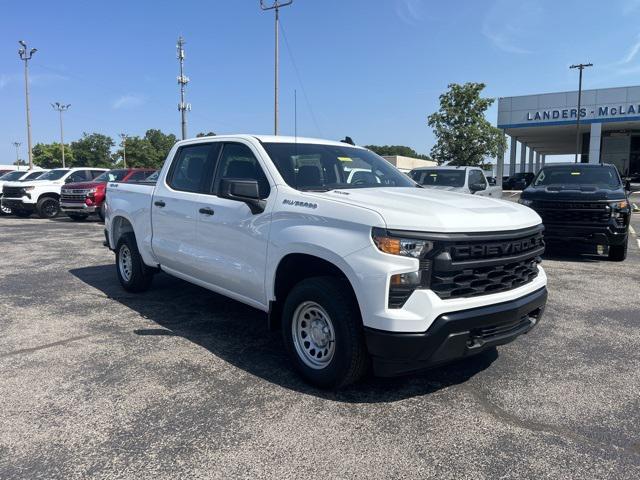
{"points": [[582, 203]]}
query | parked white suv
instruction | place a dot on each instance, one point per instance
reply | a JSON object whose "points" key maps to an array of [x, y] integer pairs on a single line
{"points": [[43, 195], [378, 272], [17, 176], [456, 179]]}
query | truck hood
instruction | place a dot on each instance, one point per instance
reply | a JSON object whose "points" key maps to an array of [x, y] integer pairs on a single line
{"points": [[35, 183], [444, 188], [429, 210], [586, 193], [83, 185]]}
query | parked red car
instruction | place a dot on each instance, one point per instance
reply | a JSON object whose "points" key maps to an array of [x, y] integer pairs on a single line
{"points": [[79, 200]]}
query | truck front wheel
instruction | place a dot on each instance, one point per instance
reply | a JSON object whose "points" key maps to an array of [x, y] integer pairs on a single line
{"points": [[133, 274], [618, 253], [48, 207], [322, 331]]}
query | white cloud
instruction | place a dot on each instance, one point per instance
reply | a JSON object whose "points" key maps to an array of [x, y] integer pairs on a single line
{"points": [[128, 101], [410, 12], [502, 24], [631, 54], [38, 79]]}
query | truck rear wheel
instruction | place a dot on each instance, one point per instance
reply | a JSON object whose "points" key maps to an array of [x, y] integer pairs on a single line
{"points": [[48, 207], [4, 210], [322, 331], [618, 253], [133, 274]]}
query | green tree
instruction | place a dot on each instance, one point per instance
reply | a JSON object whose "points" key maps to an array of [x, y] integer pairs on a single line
{"points": [[208, 134], [396, 150], [464, 136], [148, 151], [49, 155], [92, 150]]}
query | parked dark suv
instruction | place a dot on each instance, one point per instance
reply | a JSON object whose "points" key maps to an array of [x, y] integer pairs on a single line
{"points": [[519, 181], [582, 203]]}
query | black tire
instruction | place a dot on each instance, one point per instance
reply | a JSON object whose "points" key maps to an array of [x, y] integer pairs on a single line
{"points": [[48, 207], [101, 212], [140, 276], [350, 360], [618, 253], [77, 217], [22, 213]]}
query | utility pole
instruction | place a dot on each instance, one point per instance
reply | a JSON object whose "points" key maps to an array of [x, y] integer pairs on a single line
{"points": [[17, 145], [580, 67], [276, 5], [123, 136], [26, 56], [61, 108], [182, 80]]}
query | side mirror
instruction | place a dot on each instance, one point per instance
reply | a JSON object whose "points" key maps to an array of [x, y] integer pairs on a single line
{"points": [[246, 191], [68, 180], [627, 185], [476, 187], [492, 181]]}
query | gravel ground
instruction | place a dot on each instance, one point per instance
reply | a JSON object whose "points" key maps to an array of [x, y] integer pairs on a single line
{"points": [[183, 383]]}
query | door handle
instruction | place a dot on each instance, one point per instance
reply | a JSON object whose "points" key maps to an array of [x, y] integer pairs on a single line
{"points": [[159, 203], [206, 211]]}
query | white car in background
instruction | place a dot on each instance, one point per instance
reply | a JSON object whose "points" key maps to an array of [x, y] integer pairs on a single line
{"points": [[18, 176], [43, 195], [456, 179]]}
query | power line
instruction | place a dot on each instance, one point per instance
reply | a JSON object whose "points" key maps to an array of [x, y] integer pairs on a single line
{"points": [[304, 91]]}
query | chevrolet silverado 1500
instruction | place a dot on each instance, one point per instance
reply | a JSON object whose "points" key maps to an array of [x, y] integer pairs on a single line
{"points": [[379, 272]]}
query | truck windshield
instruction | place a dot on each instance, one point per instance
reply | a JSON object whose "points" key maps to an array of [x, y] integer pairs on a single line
{"points": [[318, 167], [440, 178], [56, 174], [111, 176], [9, 177], [603, 177]]}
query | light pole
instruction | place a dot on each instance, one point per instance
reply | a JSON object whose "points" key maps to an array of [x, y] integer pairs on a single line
{"points": [[182, 80], [123, 136], [17, 145], [276, 5], [580, 67], [26, 56], [61, 108]]}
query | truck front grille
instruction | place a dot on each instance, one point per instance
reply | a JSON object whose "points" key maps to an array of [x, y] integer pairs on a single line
{"points": [[482, 264], [12, 192], [573, 212], [72, 196]]}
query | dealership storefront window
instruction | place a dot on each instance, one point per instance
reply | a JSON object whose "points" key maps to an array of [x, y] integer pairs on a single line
{"points": [[545, 124]]}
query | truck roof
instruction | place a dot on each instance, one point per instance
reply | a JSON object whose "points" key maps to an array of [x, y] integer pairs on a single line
{"points": [[273, 139], [447, 167]]}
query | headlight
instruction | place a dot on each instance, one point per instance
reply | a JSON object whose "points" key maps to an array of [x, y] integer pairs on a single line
{"points": [[526, 202], [28, 189], [621, 205], [406, 247]]}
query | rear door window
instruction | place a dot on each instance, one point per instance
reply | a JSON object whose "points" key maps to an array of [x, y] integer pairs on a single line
{"points": [[193, 166]]}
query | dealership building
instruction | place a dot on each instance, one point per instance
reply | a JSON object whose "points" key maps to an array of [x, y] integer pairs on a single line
{"points": [[545, 124]]}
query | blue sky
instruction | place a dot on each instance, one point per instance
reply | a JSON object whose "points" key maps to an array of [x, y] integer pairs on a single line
{"points": [[370, 69]]}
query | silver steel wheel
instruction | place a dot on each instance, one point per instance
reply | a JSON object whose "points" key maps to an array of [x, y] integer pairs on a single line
{"points": [[313, 335], [125, 263]]}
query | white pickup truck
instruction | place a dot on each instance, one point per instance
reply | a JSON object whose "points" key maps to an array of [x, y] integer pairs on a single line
{"points": [[456, 179], [377, 273]]}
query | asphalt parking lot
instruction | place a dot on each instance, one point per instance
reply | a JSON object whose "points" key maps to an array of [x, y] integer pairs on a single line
{"points": [[182, 383]]}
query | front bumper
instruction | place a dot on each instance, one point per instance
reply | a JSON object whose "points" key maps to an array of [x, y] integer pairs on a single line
{"points": [[17, 204], [604, 234], [78, 207], [454, 335]]}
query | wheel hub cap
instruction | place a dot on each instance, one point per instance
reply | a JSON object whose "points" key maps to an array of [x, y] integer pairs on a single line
{"points": [[313, 335]]}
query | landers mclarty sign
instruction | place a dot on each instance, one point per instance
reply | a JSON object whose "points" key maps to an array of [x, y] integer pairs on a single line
{"points": [[596, 112]]}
